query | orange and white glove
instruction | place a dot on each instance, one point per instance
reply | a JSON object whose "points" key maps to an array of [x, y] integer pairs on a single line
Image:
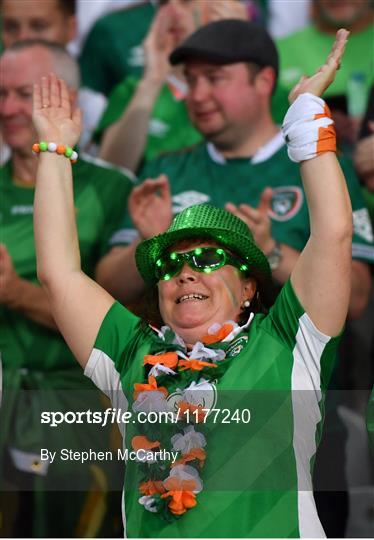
{"points": [[308, 128]]}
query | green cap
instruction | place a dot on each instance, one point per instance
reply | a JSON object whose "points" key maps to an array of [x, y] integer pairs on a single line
{"points": [[203, 221]]}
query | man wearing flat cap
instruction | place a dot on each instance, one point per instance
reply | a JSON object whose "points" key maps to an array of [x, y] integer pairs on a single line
{"points": [[231, 67]]}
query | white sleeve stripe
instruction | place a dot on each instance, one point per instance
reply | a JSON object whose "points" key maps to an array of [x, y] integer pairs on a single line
{"points": [[308, 323], [306, 395], [101, 370]]}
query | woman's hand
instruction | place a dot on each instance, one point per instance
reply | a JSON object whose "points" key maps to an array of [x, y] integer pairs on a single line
{"points": [[320, 81], [53, 117]]}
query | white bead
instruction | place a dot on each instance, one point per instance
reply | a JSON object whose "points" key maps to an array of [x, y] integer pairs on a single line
{"points": [[74, 156], [52, 147]]}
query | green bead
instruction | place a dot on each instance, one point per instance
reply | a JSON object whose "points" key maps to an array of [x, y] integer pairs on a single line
{"points": [[68, 151], [43, 146]]}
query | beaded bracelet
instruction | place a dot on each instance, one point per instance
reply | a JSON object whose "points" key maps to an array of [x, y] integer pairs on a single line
{"points": [[58, 148]]}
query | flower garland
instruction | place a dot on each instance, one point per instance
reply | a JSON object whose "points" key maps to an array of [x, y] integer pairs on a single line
{"points": [[174, 383]]}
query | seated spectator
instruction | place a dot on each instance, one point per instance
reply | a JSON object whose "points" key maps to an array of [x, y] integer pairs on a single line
{"points": [[231, 74], [54, 21], [148, 117], [304, 51], [34, 355]]}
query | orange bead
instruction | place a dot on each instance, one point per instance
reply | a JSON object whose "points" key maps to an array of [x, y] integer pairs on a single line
{"points": [[61, 149], [35, 148]]}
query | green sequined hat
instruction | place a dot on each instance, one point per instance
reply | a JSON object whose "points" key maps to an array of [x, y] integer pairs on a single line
{"points": [[203, 221]]}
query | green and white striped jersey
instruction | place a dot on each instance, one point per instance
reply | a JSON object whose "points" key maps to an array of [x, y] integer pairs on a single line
{"points": [[257, 476]]}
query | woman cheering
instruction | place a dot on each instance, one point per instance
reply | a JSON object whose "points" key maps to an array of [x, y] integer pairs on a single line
{"points": [[212, 344]]}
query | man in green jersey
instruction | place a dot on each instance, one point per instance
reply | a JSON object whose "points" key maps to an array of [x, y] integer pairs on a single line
{"points": [[33, 353], [243, 155], [147, 117]]}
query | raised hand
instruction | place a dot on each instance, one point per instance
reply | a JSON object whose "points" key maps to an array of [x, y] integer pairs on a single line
{"points": [[150, 206], [321, 80], [158, 45], [53, 116], [257, 219]]}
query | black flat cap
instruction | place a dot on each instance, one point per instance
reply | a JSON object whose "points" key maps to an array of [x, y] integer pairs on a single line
{"points": [[226, 42]]}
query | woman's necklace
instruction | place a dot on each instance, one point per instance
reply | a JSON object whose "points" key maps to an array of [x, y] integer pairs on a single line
{"points": [[172, 455]]}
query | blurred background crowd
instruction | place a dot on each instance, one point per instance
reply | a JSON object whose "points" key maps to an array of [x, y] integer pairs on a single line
{"points": [[157, 138]]}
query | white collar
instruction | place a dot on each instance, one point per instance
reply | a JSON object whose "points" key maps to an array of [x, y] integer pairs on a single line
{"points": [[263, 153]]}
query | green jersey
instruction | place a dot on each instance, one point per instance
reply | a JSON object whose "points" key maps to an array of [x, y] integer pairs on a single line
{"points": [[113, 48], [100, 195], [201, 175], [169, 126], [39, 370], [294, 63], [259, 485]]}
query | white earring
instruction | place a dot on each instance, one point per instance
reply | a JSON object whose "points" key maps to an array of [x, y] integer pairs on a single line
{"points": [[246, 303]]}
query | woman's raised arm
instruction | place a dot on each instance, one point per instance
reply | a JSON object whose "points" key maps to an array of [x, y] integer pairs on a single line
{"points": [[78, 303], [321, 277]]}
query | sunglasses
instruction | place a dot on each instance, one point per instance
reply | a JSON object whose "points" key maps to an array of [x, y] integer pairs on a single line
{"points": [[201, 259]]}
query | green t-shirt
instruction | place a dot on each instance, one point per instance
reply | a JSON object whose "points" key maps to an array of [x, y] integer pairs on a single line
{"points": [[100, 197], [113, 48], [169, 126], [306, 50], [258, 485], [202, 175]]}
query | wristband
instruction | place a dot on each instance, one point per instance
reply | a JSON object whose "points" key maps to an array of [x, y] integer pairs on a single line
{"points": [[308, 128], [53, 147]]}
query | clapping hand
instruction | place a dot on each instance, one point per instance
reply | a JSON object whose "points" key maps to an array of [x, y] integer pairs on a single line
{"points": [[53, 116], [257, 219], [321, 80], [150, 206]]}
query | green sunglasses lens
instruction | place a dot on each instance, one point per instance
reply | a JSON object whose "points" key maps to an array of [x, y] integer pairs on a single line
{"points": [[208, 259], [167, 268]]}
